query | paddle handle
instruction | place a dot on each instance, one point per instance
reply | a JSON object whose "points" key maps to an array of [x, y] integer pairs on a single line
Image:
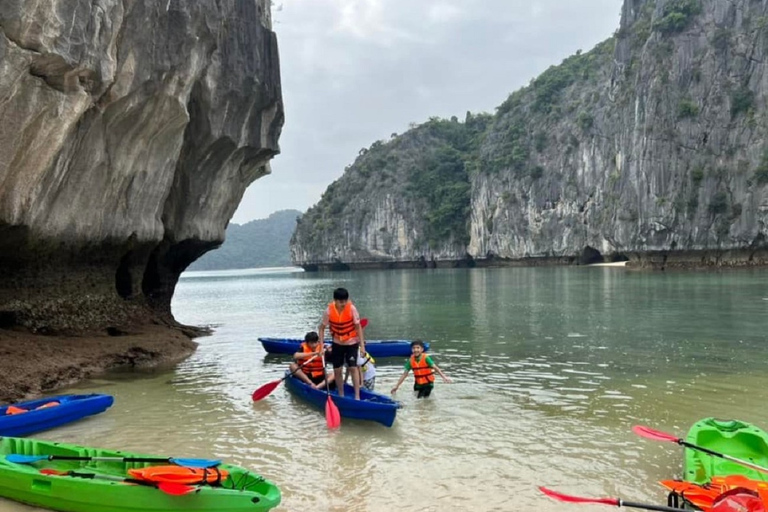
{"points": [[722, 456], [647, 506]]}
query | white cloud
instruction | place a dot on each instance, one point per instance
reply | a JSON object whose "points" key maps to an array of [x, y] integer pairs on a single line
{"points": [[354, 71]]}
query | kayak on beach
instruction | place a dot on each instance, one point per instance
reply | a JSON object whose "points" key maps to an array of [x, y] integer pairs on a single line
{"points": [[707, 477], [72, 478], [31, 416]]}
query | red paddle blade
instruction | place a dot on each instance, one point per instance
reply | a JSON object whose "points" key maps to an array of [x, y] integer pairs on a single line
{"points": [[332, 415], [655, 435], [738, 500], [175, 489], [575, 499], [265, 390], [363, 323]]}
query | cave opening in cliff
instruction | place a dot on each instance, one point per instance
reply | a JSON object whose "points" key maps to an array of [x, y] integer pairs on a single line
{"points": [[590, 255], [8, 319], [123, 281]]}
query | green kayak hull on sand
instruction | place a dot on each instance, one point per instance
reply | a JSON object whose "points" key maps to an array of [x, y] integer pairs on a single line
{"points": [[242, 491], [730, 437]]}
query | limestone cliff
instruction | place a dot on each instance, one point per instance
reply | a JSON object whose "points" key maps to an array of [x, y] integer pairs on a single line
{"points": [[651, 146], [130, 132]]}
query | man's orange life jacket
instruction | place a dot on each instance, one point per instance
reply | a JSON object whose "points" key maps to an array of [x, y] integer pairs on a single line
{"points": [[342, 324], [313, 368], [422, 371]]}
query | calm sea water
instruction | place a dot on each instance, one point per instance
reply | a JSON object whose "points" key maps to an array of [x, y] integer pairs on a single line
{"points": [[551, 368]]}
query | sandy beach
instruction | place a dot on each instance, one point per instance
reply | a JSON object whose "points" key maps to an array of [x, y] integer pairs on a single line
{"points": [[32, 365]]}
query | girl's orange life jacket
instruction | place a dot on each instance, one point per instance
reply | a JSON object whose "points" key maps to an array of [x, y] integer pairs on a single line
{"points": [[422, 371], [342, 324], [180, 475], [313, 368]]}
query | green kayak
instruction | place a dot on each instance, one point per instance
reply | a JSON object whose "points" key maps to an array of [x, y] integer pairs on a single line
{"points": [[73, 478], [730, 437]]}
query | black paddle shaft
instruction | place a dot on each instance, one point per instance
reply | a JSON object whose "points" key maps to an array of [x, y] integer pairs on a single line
{"points": [[646, 506]]}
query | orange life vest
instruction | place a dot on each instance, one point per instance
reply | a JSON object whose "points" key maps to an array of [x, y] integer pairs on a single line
{"points": [[342, 324], [12, 409], [704, 496], [422, 371], [180, 475], [313, 368]]}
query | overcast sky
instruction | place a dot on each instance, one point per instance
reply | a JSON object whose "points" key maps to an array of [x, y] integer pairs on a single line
{"points": [[355, 71]]}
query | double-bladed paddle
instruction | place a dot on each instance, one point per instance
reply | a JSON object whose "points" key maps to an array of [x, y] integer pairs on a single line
{"points": [[167, 487], [656, 435], [193, 463], [616, 502]]}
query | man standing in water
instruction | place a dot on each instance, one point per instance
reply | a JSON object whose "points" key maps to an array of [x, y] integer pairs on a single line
{"points": [[342, 318]]}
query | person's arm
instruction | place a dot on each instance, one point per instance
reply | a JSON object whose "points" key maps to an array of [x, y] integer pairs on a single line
{"points": [[321, 327], [440, 372], [361, 338], [402, 378], [304, 355], [358, 330]]}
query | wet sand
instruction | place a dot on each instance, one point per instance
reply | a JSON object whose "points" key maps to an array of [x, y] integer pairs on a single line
{"points": [[32, 365]]}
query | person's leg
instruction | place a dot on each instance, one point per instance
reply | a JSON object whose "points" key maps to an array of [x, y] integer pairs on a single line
{"points": [[337, 359], [427, 391], [351, 360], [300, 374], [370, 383]]}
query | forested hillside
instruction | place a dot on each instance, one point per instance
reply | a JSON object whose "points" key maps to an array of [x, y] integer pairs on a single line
{"points": [[259, 243]]}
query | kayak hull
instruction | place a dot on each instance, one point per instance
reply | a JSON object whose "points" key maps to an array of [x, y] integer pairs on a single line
{"points": [[370, 407], [377, 348], [730, 437], [70, 408], [242, 491]]}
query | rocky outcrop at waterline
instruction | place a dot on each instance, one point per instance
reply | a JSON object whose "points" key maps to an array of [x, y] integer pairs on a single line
{"points": [[650, 147], [130, 132]]}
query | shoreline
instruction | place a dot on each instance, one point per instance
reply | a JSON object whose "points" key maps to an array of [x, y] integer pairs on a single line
{"points": [[32, 365]]}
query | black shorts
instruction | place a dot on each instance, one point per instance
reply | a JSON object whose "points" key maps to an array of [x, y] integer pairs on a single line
{"points": [[344, 354], [424, 390], [317, 379]]}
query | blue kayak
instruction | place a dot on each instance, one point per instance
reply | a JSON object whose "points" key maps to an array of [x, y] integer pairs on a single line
{"points": [[371, 406], [377, 348], [24, 418]]}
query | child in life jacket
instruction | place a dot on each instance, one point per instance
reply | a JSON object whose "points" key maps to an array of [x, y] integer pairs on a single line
{"points": [[311, 370], [423, 371], [367, 371]]}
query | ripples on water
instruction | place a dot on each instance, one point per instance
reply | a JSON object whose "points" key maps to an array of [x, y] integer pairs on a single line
{"points": [[552, 367]]}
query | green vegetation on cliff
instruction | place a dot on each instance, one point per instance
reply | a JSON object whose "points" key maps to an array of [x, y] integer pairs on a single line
{"points": [[259, 243], [652, 140], [427, 167]]}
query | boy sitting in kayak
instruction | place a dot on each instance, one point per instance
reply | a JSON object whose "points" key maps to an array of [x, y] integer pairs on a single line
{"points": [[423, 371], [312, 370]]}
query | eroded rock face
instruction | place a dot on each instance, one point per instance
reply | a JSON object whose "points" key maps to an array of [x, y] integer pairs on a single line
{"points": [[130, 132], [651, 146]]}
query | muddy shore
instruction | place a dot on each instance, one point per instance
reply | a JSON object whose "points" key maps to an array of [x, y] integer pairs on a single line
{"points": [[32, 365]]}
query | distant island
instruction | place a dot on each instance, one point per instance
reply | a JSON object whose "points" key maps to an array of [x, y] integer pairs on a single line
{"points": [[259, 243]]}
